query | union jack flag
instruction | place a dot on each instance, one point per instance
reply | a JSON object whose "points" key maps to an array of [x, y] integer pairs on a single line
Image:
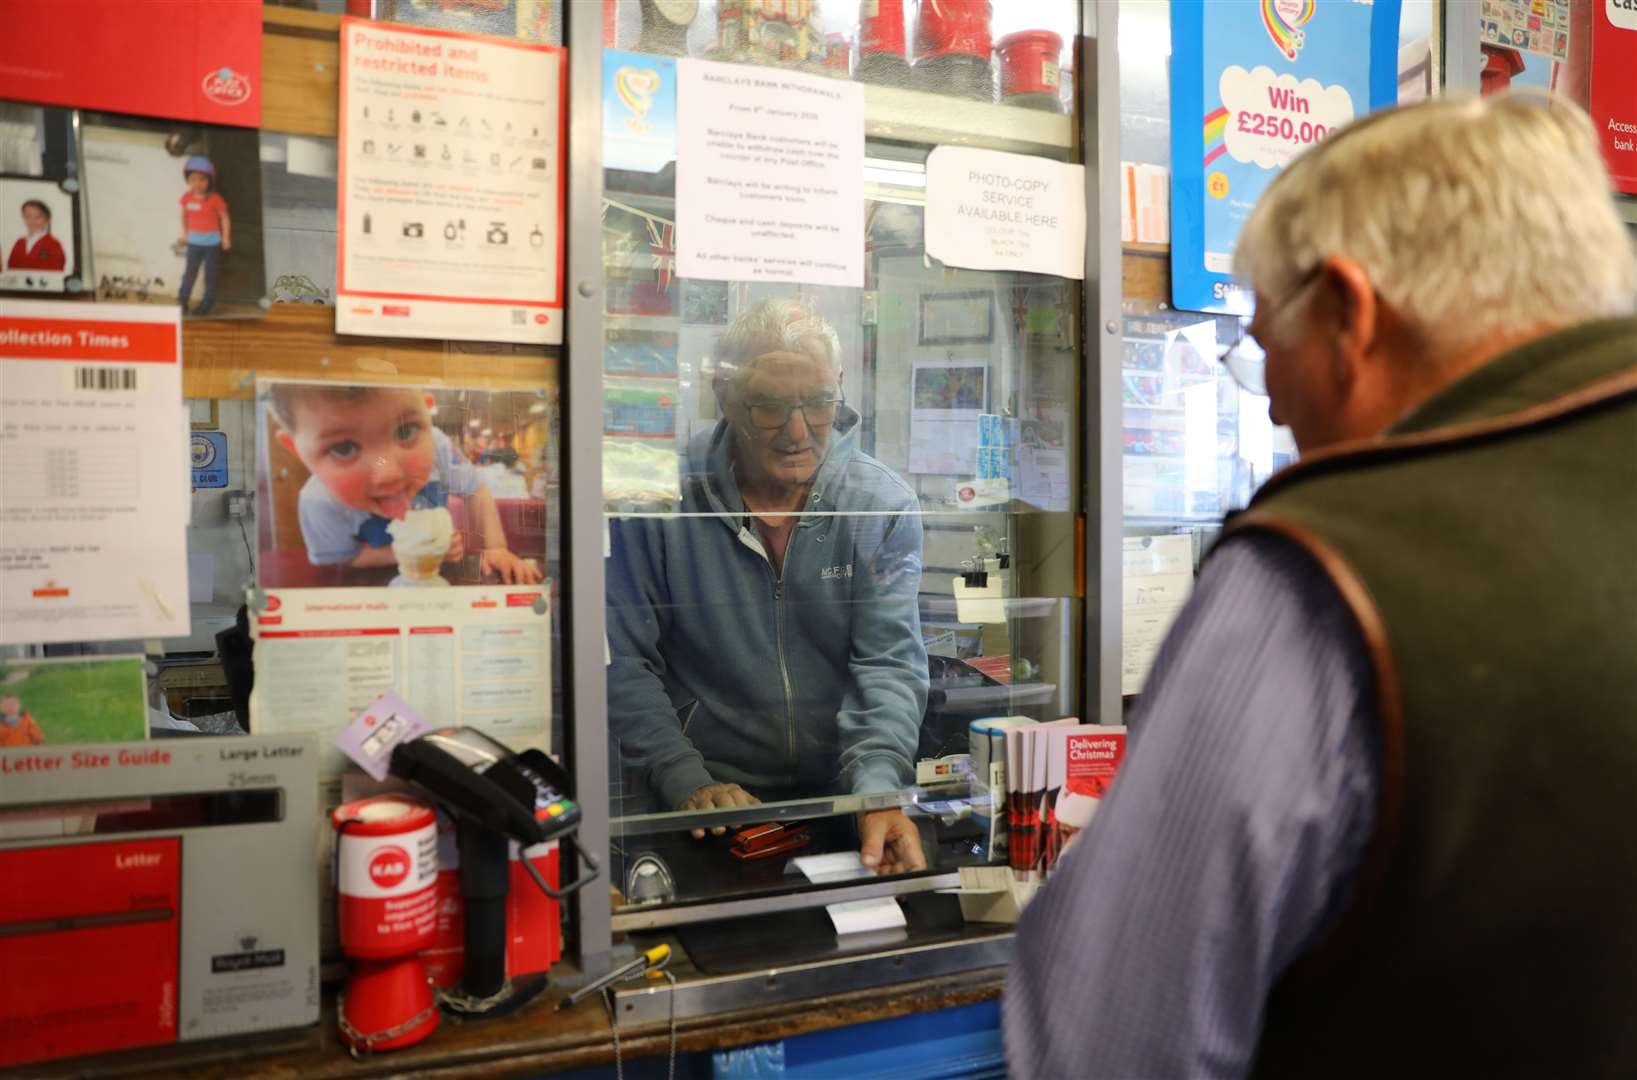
{"points": [[662, 245]]}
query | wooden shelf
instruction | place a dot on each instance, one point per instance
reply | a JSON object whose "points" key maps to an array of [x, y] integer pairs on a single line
{"points": [[300, 71], [300, 88], [225, 357]]}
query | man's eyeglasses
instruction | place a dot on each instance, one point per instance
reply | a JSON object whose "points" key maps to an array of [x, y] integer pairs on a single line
{"points": [[773, 415], [1247, 361]]}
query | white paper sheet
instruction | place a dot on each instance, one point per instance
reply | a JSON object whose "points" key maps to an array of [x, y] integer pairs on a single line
{"points": [[94, 497], [769, 175], [861, 916], [989, 210], [472, 655], [450, 203], [1157, 574], [835, 866], [947, 397]]}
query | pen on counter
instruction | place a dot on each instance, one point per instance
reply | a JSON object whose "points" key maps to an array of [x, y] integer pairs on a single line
{"points": [[654, 958]]}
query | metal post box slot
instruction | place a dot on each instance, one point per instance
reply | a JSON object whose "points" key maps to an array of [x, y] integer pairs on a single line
{"points": [[156, 892]]}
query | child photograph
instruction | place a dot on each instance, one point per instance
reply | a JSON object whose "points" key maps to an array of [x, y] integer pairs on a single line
{"points": [[49, 702], [178, 215], [38, 234], [369, 484]]}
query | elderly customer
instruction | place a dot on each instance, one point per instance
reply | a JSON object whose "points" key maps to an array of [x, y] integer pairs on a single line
{"points": [[1378, 816], [766, 640]]}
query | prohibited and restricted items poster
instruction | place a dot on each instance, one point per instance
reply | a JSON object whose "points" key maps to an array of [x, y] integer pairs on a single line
{"points": [[1253, 85], [451, 186]]}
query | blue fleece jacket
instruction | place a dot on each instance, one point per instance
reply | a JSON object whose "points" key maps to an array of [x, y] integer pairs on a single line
{"points": [[724, 672]]}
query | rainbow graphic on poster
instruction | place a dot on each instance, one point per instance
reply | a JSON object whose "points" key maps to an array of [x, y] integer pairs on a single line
{"points": [[1283, 20], [1216, 126]]}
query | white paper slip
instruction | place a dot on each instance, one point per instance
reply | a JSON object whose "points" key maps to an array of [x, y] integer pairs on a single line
{"points": [[861, 916], [93, 488], [989, 210], [837, 866], [769, 175]]}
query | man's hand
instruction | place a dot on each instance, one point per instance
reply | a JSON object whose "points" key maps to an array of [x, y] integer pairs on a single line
{"points": [[717, 796], [509, 568], [890, 844], [457, 548]]}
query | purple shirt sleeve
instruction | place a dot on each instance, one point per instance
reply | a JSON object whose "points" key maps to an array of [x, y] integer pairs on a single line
{"points": [[1228, 844]]}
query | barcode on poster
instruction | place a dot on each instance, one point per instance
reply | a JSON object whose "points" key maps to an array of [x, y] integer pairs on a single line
{"points": [[520, 317], [105, 378]]}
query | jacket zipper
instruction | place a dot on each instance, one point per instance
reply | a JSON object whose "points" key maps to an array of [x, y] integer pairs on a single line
{"points": [[778, 637], [784, 666]]}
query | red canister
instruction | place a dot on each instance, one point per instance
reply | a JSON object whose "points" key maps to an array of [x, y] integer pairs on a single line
{"points": [[943, 27], [1029, 73], [881, 27], [953, 47], [389, 1004], [386, 875], [881, 53]]}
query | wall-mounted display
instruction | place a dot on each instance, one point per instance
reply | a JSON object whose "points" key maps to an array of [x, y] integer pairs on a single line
{"points": [[92, 493], [176, 215], [450, 204], [55, 701], [184, 59], [770, 176], [1614, 89], [374, 484], [1261, 83], [39, 235]]}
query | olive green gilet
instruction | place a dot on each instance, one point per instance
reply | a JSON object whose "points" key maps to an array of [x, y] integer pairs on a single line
{"points": [[1487, 546]]}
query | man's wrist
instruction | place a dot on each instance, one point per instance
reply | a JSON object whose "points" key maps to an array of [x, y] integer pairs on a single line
{"points": [[680, 780]]}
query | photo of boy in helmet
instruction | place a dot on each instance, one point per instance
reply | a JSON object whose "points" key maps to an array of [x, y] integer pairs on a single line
{"points": [[207, 231]]}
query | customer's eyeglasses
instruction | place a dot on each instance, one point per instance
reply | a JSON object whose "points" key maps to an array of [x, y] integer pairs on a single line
{"points": [[1247, 361], [773, 415]]}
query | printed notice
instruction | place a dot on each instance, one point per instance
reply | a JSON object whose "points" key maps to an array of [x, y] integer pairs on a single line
{"points": [[461, 655], [988, 210], [769, 175], [93, 492], [450, 204], [1156, 575]]}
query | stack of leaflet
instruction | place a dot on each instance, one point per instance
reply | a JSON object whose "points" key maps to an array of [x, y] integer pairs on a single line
{"points": [[1056, 775]]}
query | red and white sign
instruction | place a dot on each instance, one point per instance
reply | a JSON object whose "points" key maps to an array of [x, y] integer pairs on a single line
{"points": [[99, 970], [94, 500], [466, 655], [1614, 89], [450, 200], [182, 59], [387, 875]]}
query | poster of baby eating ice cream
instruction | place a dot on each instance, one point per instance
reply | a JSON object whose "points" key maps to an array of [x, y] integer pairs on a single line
{"points": [[412, 522]]}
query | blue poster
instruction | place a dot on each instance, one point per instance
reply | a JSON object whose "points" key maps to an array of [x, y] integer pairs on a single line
{"points": [[1253, 84], [639, 111]]}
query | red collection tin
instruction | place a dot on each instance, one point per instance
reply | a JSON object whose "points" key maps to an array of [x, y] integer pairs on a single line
{"points": [[386, 875], [881, 53], [1029, 74], [953, 47]]}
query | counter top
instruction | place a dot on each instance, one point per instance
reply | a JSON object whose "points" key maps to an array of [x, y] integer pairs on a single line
{"points": [[529, 1043]]}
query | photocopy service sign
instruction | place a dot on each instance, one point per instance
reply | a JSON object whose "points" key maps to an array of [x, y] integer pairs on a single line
{"points": [[987, 210], [1253, 85], [769, 175]]}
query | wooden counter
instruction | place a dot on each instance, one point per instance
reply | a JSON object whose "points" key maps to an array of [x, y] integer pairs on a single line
{"points": [[530, 1043]]}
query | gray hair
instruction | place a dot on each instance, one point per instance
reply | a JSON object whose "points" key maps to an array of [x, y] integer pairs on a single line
{"points": [[777, 325], [1474, 217]]}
